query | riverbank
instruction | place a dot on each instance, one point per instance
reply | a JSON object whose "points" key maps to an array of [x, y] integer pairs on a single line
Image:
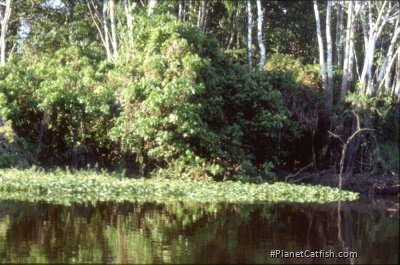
{"points": [[66, 187], [365, 184]]}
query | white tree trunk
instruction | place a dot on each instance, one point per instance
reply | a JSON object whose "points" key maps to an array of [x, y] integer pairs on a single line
{"points": [[113, 30], [4, 19], [129, 21], [260, 17], [352, 52], [249, 35], [387, 12], [101, 21], [347, 70], [106, 31], [320, 46], [339, 35], [329, 88], [152, 4], [389, 75], [387, 65], [181, 10], [199, 17], [396, 84]]}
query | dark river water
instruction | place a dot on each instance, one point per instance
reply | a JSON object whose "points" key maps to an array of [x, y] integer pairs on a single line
{"points": [[199, 233]]}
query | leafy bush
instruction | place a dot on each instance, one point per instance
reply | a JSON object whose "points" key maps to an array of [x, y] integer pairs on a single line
{"points": [[57, 102], [13, 150], [260, 115], [305, 101], [387, 156], [172, 105], [187, 107], [164, 96], [305, 75]]}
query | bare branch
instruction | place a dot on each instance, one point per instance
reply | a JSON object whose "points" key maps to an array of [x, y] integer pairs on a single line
{"points": [[95, 17], [344, 148], [336, 136], [298, 172]]}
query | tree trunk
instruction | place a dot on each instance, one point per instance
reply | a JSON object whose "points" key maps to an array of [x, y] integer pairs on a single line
{"points": [[205, 17], [129, 21], [387, 65], [387, 78], [396, 85], [152, 4], [113, 30], [249, 35], [231, 35], [339, 35], [347, 70], [320, 46], [352, 151], [181, 10], [375, 28], [4, 17], [260, 17], [326, 117], [329, 88], [100, 20], [190, 10], [352, 52], [202, 16], [106, 31], [199, 15]]}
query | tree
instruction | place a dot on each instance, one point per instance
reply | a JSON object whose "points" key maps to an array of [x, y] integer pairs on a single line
{"points": [[329, 88], [260, 17], [152, 4], [384, 73], [181, 10], [345, 145], [320, 46], [102, 21], [113, 22], [203, 14], [339, 33], [128, 8], [5, 14], [348, 52], [375, 15], [326, 72], [249, 35], [233, 14]]}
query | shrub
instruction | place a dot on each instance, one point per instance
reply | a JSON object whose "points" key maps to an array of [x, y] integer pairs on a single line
{"points": [[13, 150], [165, 97], [58, 102]]}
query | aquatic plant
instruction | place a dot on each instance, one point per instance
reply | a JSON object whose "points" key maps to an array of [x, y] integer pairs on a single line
{"points": [[65, 187]]}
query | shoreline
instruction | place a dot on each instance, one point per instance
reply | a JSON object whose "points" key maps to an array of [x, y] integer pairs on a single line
{"points": [[367, 185]]}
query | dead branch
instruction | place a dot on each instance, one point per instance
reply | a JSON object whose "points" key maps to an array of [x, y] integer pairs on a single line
{"points": [[345, 144], [298, 172]]}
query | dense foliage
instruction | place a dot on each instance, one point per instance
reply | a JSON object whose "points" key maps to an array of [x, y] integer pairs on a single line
{"points": [[156, 95], [175, 101]]}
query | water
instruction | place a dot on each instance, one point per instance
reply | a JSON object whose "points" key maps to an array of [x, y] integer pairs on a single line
{"points": [[197, 233]]}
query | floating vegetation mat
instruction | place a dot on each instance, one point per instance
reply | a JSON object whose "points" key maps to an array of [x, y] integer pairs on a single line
{"points": [[64, 187]]}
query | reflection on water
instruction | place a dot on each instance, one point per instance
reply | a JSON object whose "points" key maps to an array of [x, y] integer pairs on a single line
{"points": [[195, 233]]}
